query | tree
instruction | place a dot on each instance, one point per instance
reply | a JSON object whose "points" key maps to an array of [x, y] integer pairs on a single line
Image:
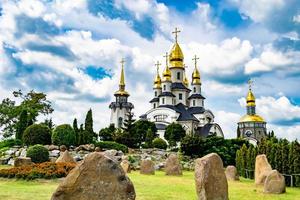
{"points": [[106, 134], [49, 123], [22, 124], [128, 124], [81, 135], [63, 135], [76, 131], [33, 102], [37, 134], [243, 163], [174, 133], [296, 164], [141, 128], [89, 131], [149, 138]]}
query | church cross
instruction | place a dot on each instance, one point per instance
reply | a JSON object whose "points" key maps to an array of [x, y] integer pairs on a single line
{"points": [[195, 60], [157, 66], [250, 83], [166, 56], [122, 62], [176, 33]]}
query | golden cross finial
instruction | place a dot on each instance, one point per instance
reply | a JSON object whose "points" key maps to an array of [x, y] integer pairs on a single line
{"points": [[122, 79], [122, 62], [195, 60], [157, 64], [250, 83], [176, 33], [166, 56]]}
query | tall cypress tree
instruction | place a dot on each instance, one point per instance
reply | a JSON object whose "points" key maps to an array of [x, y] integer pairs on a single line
{"points": [[272, 155], [238, 161], [81, 135], [76, 130], [297, 162], [89, 131], [285, 156], [22, 124], [244, 151]]}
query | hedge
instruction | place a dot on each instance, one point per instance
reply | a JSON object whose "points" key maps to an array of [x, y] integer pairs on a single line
{"points": [[64, 135], [10, 143], [37, 134], [38, 153], [159, 143], [112, 145]]}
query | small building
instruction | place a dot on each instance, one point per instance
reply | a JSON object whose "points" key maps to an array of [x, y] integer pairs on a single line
{"points": [[120, 108], [251, 126]]}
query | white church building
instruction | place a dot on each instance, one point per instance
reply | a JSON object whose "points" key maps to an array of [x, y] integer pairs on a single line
{"points": [[176, 101]]}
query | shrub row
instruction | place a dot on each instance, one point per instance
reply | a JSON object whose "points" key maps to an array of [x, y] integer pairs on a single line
{"points": [[112, 145], [47, 170], [10, 143]]}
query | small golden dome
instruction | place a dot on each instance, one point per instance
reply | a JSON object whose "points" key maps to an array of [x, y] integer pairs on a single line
{"points": [[250, 98], [157, 82], [121, 91], [186, 81], [252, 118], [176, 56], [196, 76], [167, 74]]}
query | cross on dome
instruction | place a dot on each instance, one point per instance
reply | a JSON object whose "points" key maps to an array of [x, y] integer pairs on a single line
{"points": [[195, 60], [176, 33], [250, 83], [157, 64]]}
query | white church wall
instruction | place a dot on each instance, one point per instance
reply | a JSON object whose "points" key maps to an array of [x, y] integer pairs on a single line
{"points": [[174, 77]]}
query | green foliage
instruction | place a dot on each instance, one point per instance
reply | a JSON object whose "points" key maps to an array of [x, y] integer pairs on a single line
{"points": [[22, 124], [89, 133], [49, 123], [10, 143], [37, 134], [145, 131], [34, 103], [196, 146], [64, 135], [38, 153], [76, 131], [159, 143], [106, 134], [174, 133], [112, 145]]}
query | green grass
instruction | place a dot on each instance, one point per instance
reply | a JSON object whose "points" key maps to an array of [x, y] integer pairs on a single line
{"points": [[148, 187]]}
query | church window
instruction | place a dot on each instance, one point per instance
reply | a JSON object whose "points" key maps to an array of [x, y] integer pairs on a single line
{"points": [[164, 87], [155, 93], [154, 105], [160, 118], [178, 75], [180, 96], [163, 100], [194, 89], [194, 103], [120, 122]]}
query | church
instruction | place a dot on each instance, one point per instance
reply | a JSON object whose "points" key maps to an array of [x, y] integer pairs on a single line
{"points": [[175, 100], [251, 126]]}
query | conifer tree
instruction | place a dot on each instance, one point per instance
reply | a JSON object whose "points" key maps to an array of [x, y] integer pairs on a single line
{"points": [[271, 158], [297, 162], [285, 156], [250, 161], [238, 162], [21, 125], [128, 124], [244, 151], [76, 130], [89, 132]]}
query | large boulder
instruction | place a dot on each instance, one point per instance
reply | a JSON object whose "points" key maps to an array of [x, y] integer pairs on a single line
{"points": [[262, 169], [65, 157], [147, 167], [125, 164], [22, 162], [211, 183], [172, 166], [97, 177], [231, 173], [274, 183]]}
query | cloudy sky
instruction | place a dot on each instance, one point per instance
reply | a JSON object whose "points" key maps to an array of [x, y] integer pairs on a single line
{"points": [[71, 51]]}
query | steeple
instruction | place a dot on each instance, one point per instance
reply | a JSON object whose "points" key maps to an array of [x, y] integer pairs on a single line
{"points": [[196, 74], [167, 71], [250, 96], [176, 55], [121, 91], [157, 81]]}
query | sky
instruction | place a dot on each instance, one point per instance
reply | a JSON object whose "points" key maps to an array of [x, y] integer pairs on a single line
{"points": [[71, 50]]}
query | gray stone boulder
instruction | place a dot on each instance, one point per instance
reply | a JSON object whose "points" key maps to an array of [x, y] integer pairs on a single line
{"points": [[54, 153], [97, 177], [125, 164], [274, 183], [53, 147], [231, 173], [147, 167], [211, 182], [172, 166], [22, 162], [262, 169]]}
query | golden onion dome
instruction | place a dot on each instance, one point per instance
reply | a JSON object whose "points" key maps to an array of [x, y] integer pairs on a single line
{"points": [[157, 82], [252, 118], [186, 81], [196, 76], [167, 74], [176, 56], [250, 98]]}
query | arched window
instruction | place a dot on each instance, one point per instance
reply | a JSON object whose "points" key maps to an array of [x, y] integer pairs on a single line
{"points": [[120, 121], [194, 102], [154, 105], [155, 93], [164, 87], [178, 75], [194, 89], [163, 100]]}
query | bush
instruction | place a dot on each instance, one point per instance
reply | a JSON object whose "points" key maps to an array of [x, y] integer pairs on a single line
{"points": [[63, 135], [38, 153], [159, 143], [10, 143], [47, 170], [112, 145], [37, 134]]}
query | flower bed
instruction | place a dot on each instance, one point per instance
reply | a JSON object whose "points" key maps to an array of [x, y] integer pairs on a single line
{"points": [[46, 170]]}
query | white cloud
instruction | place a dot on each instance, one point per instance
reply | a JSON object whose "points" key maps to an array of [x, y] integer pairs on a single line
{"points": [[289, 132], [228, 122], [32, 8], [296, 18], [258, 10]]}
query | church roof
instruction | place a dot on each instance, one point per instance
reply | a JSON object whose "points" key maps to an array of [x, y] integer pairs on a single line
{"points": [[184, 114], [156, 99], [179, 86], [167, 94], [204, 130], [196, 110], [196, 96], [121, 105]]}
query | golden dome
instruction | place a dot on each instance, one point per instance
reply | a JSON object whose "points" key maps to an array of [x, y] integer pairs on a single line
{"points": [[121, 91], [157, 82], [250, 98], [252, 118], [196, 76], [167, 74], [176, 56], [185, 81]]}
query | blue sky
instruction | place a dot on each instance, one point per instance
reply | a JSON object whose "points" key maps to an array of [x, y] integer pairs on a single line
{"points": [[71, 51]]}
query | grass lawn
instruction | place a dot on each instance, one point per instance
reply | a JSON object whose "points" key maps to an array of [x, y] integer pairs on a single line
{"points": [[157, 187]]}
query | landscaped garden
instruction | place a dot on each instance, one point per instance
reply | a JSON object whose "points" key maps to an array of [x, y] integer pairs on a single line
{"points": [[147, 187]]}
